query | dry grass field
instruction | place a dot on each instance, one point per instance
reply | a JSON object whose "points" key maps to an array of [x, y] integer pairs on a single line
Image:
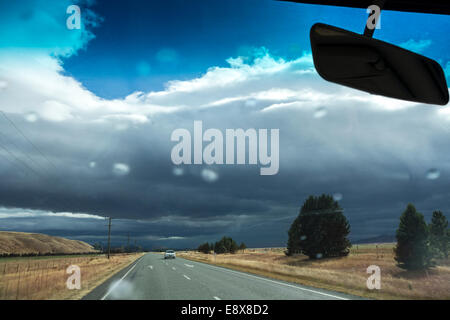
{"points": [[345, 274], [25, 243], [45, 277]]}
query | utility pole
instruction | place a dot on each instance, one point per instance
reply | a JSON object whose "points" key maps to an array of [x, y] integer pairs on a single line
{"points": [[109, 237]]}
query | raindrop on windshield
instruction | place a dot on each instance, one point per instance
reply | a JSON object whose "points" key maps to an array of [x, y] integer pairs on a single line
{"points": [[143, 68], [338, 196], [121, 169], [320, 113], [433, 174], [31, 117], [250, 103], [3, 84], [178, 171], [209, 175]]}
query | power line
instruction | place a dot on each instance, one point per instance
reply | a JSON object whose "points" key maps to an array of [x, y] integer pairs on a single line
{"points": [[3, 136], [45, 175], [20, 161], [68, 201], [26, 138], [9, 159]]}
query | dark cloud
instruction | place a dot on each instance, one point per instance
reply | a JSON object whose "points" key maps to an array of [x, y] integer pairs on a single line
{"points": [[375, 152]]}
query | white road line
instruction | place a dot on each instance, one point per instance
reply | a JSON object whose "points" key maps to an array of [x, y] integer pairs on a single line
{"points": [[217, 298], [151, 267], [173, 268], [276, 282], [116, 284], [186, 277], [189, 265]]}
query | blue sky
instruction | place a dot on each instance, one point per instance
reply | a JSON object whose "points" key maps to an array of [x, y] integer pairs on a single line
{"points": [[140, 45], [102, 102]]}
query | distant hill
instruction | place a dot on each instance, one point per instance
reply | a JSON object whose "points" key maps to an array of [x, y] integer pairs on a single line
{"points": [[26, 243], [385, 238]]}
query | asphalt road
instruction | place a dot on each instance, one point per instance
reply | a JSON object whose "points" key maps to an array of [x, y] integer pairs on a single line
{"points": [[152, 277]]}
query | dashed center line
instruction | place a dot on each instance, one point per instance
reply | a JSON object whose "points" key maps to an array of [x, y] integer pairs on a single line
{"points": [[189, 265], [217, 298], [151, 267], [186, 277], [173, 268]]}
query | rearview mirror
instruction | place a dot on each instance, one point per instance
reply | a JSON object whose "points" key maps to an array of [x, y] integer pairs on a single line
{"points": [[375, 66]]}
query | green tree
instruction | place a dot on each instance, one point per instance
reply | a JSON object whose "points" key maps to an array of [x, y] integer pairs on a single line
{"points": [[439, 239], [320, 230], [204, 247], [294, 238], [219, 248], [242, 246], [225, 245], [412, 250]]}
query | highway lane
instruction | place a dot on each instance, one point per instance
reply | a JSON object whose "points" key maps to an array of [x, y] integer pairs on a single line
{"points": [[152, 277]]}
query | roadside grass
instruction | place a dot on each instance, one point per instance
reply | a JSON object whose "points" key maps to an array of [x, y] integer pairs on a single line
{"points": [[344, 274], [42, 278], [46, 257]]}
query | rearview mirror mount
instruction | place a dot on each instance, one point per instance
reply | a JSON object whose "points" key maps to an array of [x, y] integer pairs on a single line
{"points": [[364, 63]]}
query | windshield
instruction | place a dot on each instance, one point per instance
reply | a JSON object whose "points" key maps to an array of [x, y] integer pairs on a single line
{"points": [[132, 126]]}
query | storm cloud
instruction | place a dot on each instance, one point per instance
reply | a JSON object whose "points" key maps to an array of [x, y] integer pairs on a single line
{"points": [[69, 157]]}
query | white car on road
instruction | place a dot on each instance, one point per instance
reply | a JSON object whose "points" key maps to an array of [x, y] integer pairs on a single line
{"points": [[170, 254]]}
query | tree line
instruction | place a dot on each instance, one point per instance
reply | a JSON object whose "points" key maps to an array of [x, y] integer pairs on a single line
{"points": [[321, 230], [122, 249], [421, 245], [224, 245]]}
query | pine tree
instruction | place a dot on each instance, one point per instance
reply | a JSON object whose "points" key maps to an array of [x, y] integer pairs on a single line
{"points": [[439, 239], [320, 230], [204, 247], [294, 236], [226, 245], [412, 250]]}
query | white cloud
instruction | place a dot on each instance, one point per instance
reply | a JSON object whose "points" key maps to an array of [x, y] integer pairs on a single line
{"points": [[55, 111], [37, 85], [6, 213], [171, 238]]}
